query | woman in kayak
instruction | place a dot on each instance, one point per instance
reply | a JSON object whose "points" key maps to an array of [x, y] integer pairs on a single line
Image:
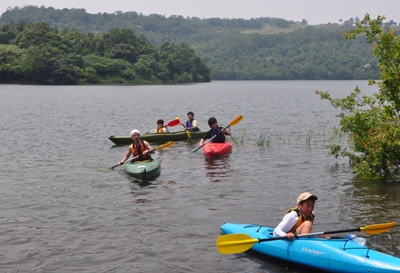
{"points": [[191, 123], [216, 133], [298, 220], [139, 148]]}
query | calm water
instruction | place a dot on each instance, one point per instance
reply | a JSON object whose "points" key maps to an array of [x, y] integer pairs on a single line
{"points": [[64, 210]]}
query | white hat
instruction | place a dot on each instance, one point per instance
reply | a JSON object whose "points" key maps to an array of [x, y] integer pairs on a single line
{"points": [[135, 131]]}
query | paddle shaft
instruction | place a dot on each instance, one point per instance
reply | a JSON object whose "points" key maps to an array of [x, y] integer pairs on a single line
{"points": [[310, 234], [159, 147], [187, 131], [132, 158]]}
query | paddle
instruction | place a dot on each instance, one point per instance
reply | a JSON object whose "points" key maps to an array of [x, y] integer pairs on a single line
{"points": [[236, 243], [234, 122], [166, 145], [187, 131], [172, 123]]}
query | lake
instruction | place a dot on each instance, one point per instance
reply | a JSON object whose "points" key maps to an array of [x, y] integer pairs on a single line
{"points": [[64, 210]]}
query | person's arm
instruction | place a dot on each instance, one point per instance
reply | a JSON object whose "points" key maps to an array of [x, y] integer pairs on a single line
{"points": [[283, 228], [226, 132], [148, 147], [125, 158], [165, 129], [208, 135], [194, 125]]}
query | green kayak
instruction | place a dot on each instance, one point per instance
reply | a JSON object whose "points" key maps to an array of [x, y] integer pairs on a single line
{"points": [[143, 170], [175, 136]]}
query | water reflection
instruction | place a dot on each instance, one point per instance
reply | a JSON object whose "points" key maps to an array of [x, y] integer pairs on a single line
{"points": [[218, 168], [367, 202]]}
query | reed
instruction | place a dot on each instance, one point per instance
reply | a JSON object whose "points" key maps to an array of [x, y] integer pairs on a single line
{"points": [[241, 137], [264, 139], [317, 137]]}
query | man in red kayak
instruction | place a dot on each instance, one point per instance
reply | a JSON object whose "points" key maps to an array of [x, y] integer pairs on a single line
{"points": [[216, 134]]}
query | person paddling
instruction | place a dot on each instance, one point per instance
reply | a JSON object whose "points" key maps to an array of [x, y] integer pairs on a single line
{"points": [[191, 123], [139, 148], [216, 133], [300, 219]]}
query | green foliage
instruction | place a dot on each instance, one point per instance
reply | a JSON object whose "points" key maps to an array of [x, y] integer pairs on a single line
{"points": [[233, 49], [373, 121], [38, 54]]}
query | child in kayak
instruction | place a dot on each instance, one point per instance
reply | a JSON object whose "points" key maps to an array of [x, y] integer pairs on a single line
{"points": [[300, 219], [216, 134], [191, 123], [161, 129]]}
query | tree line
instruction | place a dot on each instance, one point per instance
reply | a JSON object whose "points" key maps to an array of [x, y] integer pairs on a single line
{"points": [[234, 49], [35, 53]]}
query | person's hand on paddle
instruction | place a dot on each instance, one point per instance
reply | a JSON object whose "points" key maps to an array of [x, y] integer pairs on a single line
{"points": [[226, 132], [149, 152], [290, 235]]}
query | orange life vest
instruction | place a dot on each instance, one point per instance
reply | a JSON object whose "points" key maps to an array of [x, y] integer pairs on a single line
{"points": [[302, 218], [138, 151]]}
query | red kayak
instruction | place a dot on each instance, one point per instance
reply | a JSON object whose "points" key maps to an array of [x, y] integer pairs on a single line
{"points": [[216, 149]]}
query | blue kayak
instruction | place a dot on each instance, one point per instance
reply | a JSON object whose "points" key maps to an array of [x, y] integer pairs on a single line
{"points": [[333, 255]]}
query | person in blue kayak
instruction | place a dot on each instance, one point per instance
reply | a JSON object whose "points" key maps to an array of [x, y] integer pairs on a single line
{"points": [[139, 149], [216, 134], [191, 123], [300, 219]]}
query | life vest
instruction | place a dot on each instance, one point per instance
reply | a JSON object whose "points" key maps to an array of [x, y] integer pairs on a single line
{"points": [[220, 136], [189, 125], [302, 218], [160, 130], [136, 151]]}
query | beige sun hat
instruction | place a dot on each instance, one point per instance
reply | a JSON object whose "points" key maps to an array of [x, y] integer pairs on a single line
{"points": [[305, 196]]}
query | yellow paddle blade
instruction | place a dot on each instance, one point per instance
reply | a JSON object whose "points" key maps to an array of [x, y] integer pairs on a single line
{"points": [[166, 145], [378, 228], [234, 243], [236, 120], [187, 131]]}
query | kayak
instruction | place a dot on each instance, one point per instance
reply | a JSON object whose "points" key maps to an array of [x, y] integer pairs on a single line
{"points": [[333, 255], [175, 136], [216, 149], [143, 169]]}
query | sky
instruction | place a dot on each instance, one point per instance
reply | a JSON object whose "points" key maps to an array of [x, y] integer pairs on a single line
{"points": [[314, 11]]}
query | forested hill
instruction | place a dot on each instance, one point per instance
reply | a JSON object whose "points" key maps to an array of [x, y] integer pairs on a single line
{"points": [[234, 49], [34, 53]]}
